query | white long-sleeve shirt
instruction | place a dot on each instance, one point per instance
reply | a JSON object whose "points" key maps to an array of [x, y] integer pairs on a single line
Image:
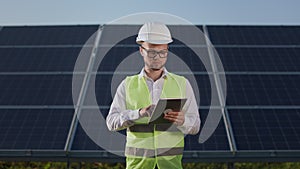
{"points": [[120, 118]]}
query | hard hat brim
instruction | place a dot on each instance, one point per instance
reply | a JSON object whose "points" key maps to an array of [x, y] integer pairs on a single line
{"points": [[153, 39], [158, 42]]}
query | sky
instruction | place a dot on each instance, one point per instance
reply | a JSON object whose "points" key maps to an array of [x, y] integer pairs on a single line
{"points": [[209, 12]]}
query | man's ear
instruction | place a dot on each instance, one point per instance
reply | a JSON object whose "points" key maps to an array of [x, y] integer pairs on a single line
{"points": [[141, 51]]}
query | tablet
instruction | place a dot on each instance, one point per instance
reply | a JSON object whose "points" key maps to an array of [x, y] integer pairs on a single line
{"points": [[165, 105]]}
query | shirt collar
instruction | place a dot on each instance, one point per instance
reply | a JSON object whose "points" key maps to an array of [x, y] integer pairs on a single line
{"points": [[143, 73]]}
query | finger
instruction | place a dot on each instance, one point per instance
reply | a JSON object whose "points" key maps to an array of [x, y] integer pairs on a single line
{"points": [[176, 113], [172, 113], [173, 119], [148, 107], [178, 119], [174, 116], [170, 116]]}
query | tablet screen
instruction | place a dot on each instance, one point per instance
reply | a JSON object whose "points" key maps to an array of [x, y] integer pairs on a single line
{"points": [[165, 105]]}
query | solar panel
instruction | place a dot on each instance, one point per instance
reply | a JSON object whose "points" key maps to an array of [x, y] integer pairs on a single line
{"points": [[254, 35], [244, 59], [19, 90], [266, 129], [271, 90], [34, 128], [261, 66], [40, 59], [46, 35]]}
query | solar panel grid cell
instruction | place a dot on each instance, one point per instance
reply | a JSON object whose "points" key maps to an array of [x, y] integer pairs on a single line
{"points": [[46, 35], [270, 90], [254, 35], [266, 129], [246, 59], [39, 59], [34, 128], [17, 90]]}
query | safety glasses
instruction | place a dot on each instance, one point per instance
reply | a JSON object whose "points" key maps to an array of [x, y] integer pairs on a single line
{"points": [[151, 53]]}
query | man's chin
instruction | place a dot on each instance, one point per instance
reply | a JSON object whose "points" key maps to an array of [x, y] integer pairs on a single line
{"points": [[155, 69]]}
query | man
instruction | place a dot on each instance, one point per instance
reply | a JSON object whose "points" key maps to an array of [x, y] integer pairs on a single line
{"points": [[153, 145]]}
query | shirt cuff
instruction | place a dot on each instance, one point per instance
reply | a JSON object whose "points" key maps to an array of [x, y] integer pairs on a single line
{"points": [[134, 115], [184, 128], [131, 115]]}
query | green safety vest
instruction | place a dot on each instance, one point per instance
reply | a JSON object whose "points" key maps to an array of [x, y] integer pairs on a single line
{"points": [[151, 144]]}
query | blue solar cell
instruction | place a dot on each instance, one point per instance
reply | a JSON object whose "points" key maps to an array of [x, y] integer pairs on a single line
{"points": [[113, 57], [263, 90], [83, 142], [254, 35], [46, 35], [266, 129], [218, 140], [34, 128], [260, 59], [36, 90], [121, 34], [190, 58], [39, 59]]}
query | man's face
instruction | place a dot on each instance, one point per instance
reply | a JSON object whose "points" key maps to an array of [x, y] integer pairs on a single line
{"points": [[155, 55]]}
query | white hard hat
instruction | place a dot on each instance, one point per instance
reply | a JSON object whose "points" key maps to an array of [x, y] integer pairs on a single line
{"points": [[155, 33]]}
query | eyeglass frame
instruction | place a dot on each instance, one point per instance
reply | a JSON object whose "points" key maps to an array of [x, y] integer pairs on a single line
{"points": [[156, 52]]}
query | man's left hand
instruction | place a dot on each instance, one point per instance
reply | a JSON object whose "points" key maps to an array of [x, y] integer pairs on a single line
{"points": [[176, 117]]}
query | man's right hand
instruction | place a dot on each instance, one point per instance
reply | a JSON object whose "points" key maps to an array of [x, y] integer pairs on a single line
{"points": [[147, 111]]}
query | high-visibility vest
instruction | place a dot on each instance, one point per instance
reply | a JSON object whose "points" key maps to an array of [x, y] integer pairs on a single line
{"points": [[151, 144]]}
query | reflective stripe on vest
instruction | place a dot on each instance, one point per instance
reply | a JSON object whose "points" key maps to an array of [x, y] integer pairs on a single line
{"points": [[150, 140], [141, 152]]}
